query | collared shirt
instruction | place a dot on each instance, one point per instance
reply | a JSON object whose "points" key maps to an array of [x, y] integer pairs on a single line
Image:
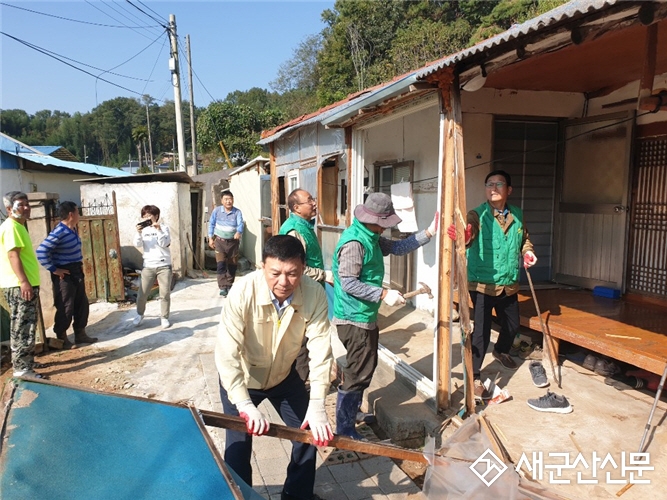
{"points": [[280, 308], [504, 219], [255, 348], [225, 224], [61, 247]]}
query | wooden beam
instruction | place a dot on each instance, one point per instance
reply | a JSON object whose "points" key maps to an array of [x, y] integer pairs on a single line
{"points": [[238, 424], [348, 149], [648, 75], [445, 285], [275, 192], [460, 219]]}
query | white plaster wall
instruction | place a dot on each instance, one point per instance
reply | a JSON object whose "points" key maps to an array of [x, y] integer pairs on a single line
{"points": [[629, 91], [247, 197], [478, 151], [173, 200], [413, 137], [523, 103], [61, 183]]}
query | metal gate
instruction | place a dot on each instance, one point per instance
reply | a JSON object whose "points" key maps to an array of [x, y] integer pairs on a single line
{"points": [[100, 245]]}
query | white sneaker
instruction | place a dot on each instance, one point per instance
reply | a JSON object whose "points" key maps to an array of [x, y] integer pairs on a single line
{"points": [[137, 321], [165, 323]]}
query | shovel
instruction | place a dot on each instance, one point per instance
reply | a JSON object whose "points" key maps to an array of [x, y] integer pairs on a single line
{"points": [[547, 336]]}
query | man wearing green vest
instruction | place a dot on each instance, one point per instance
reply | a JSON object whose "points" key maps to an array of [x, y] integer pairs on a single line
{"points": [[303, 208], [358, 269], [496, 239]]}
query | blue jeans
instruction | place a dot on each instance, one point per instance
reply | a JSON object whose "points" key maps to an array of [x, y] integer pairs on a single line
{"points": [[290, 399]]}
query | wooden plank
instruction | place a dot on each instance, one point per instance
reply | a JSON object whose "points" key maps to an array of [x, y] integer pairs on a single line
{"points": [[275, 193], [98, 253], [238, 424], [92, 291], [648, 74], [602, 325], [445, 263]]}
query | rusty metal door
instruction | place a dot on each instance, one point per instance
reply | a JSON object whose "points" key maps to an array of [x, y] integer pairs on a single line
{"points": [[100, 245]]}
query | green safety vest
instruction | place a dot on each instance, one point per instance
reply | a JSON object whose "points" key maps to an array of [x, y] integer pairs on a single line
{"points": [[493, 257], [372, 271], [305, 229]]}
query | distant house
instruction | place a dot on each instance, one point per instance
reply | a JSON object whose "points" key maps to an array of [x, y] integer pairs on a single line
{"points": [[251, 186], [31, 169]]}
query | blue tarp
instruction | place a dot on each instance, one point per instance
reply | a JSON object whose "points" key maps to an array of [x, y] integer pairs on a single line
{"points": [[64, 443]]}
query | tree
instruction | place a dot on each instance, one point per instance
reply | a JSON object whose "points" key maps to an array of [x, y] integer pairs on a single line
{"points": [[139, 136]]}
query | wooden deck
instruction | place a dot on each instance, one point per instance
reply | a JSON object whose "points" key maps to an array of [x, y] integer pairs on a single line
{"points": [[626, 331]]}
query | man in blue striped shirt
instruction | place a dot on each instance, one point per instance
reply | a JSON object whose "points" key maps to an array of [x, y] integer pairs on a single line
{"points": [[60, 253], [224, 235]]}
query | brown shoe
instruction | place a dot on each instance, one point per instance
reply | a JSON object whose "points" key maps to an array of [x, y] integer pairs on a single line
{"points": [[504, 359], [480, 391]]}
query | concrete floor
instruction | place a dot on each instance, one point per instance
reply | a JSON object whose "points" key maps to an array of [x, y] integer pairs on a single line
{"points": [[605, 419]]}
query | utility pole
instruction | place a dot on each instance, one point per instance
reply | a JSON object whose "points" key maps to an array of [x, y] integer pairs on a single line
{"points": [[194, 170], [85, 156], [175, 76], [150, 143]]}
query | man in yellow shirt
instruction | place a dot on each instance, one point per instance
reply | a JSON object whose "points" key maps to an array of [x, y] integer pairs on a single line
{"points": [[19, 280]]}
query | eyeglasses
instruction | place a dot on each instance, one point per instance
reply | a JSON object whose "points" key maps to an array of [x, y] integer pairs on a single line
{"points": [[311, 200], [496, 185]]}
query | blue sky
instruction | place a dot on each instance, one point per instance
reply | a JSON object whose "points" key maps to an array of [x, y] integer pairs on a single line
{"points": [[235, 46]]}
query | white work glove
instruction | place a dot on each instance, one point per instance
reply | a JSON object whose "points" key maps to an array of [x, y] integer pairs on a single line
{"points": [[256, 423], [393, 298], [328, 276], [433, 228], [529, 259], [316, 419]]}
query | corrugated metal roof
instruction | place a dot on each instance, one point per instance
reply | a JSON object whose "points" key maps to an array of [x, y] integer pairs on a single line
{"points": [[344, 109], [564, 12], [87, 168], [178, 176], [17, 148]]}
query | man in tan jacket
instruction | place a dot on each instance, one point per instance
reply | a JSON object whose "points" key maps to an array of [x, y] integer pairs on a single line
{"points": [[262, 327]]}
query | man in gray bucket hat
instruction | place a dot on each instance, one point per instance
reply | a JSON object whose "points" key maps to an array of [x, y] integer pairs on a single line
{"points": [[358, 270]]}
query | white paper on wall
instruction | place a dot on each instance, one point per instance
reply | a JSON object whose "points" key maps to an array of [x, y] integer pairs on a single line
{"points": [[401, 197]]}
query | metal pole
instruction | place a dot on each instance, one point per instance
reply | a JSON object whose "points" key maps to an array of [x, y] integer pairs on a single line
{"points": [[194, 170], [175, 74], [655, 403]]}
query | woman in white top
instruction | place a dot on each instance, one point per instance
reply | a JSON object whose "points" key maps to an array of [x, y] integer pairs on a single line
{"points": [[154, 238]]}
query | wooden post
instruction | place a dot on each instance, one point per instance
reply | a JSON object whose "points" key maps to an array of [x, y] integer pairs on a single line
{"points": [[275, 192], [648, 74], [460, 219], [444, 337], [348, 147]]}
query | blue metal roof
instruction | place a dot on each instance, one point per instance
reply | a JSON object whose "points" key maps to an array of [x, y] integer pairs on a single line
{"points": [[16, 148]]}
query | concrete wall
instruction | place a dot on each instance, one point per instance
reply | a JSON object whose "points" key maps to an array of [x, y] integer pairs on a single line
{"points": [[173, 200], [53, 182], [247, 197]]}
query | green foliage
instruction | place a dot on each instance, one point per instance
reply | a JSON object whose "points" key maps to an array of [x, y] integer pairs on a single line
{"points": [[364, 43]]}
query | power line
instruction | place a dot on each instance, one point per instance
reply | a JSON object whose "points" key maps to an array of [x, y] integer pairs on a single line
{"points": [[142, 3], [155, 64], [118, 21], [39, 49], [145, 13], [111, 5], [73, 20]]}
